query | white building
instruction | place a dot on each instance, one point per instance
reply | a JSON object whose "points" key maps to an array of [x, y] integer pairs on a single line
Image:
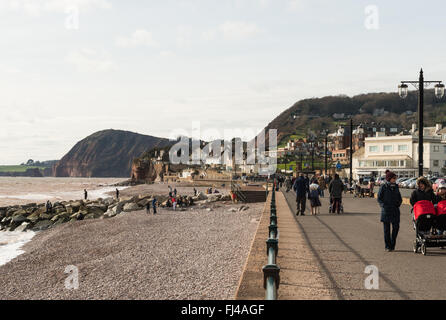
{"points": [[399, 154]]}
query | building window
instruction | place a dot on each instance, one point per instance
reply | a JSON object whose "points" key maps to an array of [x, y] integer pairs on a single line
{"points": [[436, 148], [373, 148], [436, 163], [388, 149], [403, 147]]}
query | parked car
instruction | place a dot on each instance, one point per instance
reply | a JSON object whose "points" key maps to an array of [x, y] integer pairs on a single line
{"points": [[400, 180], [412, 184], [380, 181], [406, 183]]}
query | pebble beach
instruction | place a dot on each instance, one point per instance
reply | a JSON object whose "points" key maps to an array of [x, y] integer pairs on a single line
{"points": [[194, 254]]}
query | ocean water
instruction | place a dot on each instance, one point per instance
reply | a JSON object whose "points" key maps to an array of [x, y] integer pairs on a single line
{"points": [[23, 190], [11, 244]]}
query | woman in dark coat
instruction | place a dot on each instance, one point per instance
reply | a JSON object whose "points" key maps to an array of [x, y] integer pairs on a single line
{"points": [[423, 192], [389, 198]]}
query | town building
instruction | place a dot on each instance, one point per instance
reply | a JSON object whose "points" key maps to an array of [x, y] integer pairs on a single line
{"points": [[399, 153]]}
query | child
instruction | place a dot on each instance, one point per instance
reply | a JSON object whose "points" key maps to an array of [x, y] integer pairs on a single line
{"points": [[313, 196]]}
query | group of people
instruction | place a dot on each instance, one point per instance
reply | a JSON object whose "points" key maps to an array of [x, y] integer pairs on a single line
{"points": [[390, 200], [314, 189]]}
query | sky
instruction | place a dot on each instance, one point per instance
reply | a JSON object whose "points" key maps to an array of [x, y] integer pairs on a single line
{"points": [[69, 68]]}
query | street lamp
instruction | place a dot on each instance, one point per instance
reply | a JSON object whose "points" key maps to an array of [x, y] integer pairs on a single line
{"points": [[420, 85]]}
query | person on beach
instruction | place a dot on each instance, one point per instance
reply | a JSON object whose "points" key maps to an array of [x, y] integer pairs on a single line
{"points": [[423, 192], [117, 194], [154, 205], [175, 192], [335, 189], [390, 200], [300, 187], [85, 194], [148, 207], [49, 207], [195, 192], [313, 196], [174, 203]]}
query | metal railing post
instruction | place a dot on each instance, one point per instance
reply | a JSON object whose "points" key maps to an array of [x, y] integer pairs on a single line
{"points": [[271, 271]]}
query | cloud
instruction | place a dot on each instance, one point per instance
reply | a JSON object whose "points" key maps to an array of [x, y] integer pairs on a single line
{"points": [[239, 30], [184, 36], [139, 38], [88, 60], [252, 3], [295, 5], [38, 7]]}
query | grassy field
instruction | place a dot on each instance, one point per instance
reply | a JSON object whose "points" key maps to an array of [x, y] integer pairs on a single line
{"points": [[17, 168], [285, 140]]}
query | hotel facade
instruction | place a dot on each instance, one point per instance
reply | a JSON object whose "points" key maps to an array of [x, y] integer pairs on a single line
{"points": [[399, 154]]}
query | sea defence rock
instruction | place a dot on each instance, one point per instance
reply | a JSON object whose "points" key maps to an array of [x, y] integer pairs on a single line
{"points": [[34, 217]]}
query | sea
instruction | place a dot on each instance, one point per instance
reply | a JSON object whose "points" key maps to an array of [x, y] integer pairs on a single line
{"points": [[24, 190]]}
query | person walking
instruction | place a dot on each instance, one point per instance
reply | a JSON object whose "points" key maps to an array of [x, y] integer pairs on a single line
{"points": [[335, 189], [300, 187], [322, 185], [85, 194], [390, 200], [154, 205], [313, 196], [440, 196], [195, 192], [117, 194], [423, 192], [175, 192], [148, 207]]}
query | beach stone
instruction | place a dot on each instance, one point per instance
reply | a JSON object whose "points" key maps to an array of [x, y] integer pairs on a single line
{"points": [[77, 216], [144, 202], [232, 210], [19, 212], [131, 207], [23, 227], [200, 196], [18, 218], [2, 214], [34, 217], [69, 209], [42, 225], [63, 216], [45, 216], [110, 214]]}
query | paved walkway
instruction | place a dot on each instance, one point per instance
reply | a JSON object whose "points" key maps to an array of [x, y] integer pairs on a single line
{"points": [[344, 245]]}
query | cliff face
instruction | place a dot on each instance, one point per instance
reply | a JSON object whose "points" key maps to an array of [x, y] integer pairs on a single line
{"points": [[107, 153], [144, 170]]}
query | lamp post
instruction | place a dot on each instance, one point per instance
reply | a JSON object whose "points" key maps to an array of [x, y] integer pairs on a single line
{"points": [[403, 89], [351, 152], [325, 133]]}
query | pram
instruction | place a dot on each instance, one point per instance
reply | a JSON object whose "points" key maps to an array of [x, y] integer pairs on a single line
{"points": [[427, 220], [330, 208]]}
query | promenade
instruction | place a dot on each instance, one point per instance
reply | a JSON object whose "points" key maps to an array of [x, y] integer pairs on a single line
{"points": [[325, 256]]}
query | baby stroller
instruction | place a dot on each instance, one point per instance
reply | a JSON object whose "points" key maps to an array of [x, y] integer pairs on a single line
{"points": [[330, 208], [427, 220]]}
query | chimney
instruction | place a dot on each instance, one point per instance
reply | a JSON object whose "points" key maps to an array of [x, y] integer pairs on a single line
{"points": [[414, 128]]}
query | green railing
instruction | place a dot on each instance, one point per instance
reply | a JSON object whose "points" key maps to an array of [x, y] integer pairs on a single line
{"points": [[271, 271]]}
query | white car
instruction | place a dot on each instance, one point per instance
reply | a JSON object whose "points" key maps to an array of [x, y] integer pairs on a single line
{"points": [[406, 184]]}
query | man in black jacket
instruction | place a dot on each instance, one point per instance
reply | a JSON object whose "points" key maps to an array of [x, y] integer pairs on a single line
{"points": [[301, 189], [390, 200]]}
